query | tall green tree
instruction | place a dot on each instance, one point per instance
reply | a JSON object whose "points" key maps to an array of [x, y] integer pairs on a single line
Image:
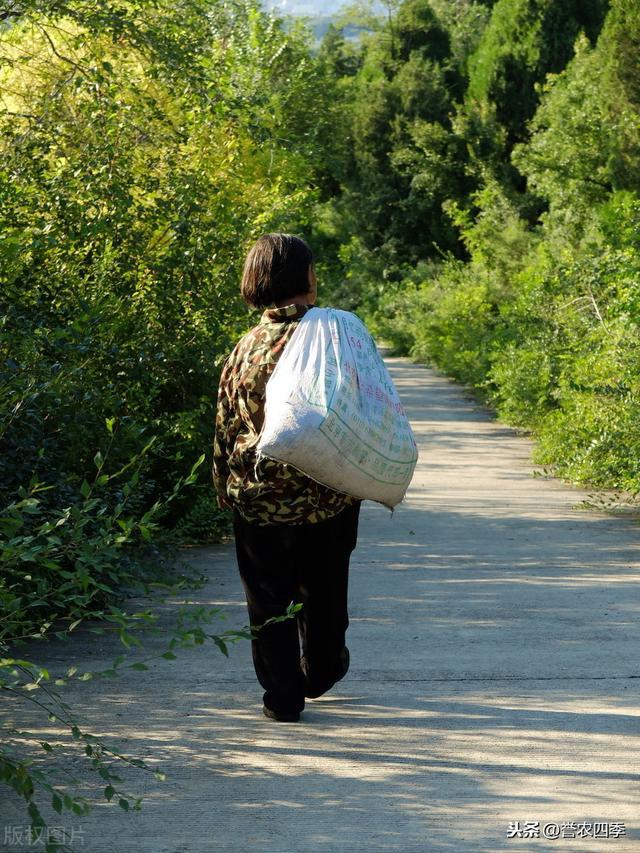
{"points": [[524, 41], [406, 158], [585, 137]]}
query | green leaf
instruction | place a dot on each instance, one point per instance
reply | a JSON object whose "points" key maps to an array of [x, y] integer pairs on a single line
{"points": [[85, 488], [56, 802], [197, 463], [97, 459], [139, 665], [34, 814], [109, 791], [123, 804], [221, 645]]}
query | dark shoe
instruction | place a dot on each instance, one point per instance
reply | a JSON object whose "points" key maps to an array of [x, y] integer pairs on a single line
{"points": [[345, 658], [292, 717]]}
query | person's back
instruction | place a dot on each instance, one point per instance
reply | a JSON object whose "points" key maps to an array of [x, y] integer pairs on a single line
{"points": [[264, 491]]}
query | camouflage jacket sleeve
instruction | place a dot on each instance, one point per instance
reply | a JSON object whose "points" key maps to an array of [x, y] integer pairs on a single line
{"points": [[221, 443]]}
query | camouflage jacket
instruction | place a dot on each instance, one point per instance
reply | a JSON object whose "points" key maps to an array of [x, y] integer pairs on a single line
{"points": [[269, 492]]}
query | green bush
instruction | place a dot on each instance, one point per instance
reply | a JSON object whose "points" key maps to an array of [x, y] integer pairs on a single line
{"points": [[454, 323]]}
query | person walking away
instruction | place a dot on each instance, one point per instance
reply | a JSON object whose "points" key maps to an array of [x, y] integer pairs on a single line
{"points": [[293, 536]]}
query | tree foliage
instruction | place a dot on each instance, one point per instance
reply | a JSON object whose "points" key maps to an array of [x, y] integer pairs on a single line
{"points": [[137, 165], [542, 315]]}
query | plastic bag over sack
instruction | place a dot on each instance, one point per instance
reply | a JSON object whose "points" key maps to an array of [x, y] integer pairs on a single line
{"points": [[333, 412]]}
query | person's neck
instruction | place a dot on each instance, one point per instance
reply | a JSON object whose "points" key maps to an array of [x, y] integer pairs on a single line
{"points": [[303, 299]]}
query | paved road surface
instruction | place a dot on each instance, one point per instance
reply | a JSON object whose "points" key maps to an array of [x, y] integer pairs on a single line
{"points": [[495, 673]]}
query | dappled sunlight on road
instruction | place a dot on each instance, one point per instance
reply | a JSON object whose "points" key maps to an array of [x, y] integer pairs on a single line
{"points": [[494, 677]]}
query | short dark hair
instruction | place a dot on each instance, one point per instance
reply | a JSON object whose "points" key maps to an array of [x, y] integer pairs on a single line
{"points": [[276, 267]]}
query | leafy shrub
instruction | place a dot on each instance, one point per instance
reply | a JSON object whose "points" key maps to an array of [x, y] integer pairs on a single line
{"points": [[454, 323]]}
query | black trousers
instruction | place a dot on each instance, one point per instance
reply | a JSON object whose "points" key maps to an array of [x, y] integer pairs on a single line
{"points": [[308, 563]]}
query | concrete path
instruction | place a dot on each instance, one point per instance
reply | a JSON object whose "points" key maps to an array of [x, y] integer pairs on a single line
{"points": [[494, 678]]}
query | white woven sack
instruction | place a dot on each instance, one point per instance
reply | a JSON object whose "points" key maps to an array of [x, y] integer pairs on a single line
{"points": [[333, 412]]}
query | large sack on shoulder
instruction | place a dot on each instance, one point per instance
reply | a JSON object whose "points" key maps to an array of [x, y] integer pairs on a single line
{"points": [[333, 412]]}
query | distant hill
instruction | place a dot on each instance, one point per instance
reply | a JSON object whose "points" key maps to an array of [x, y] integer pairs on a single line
{"points": [[319, 27], [310, 8], [321, 13]]}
